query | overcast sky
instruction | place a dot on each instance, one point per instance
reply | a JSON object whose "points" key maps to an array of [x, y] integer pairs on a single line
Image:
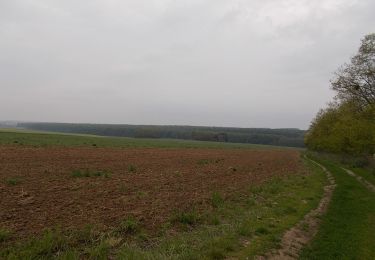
{"points": [[258, 63]]}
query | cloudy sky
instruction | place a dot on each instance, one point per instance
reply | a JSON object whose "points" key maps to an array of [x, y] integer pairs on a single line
{"points": [[259, 63]]}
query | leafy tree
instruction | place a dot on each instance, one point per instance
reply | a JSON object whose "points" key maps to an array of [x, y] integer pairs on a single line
{"points": [[347, 125], [356, 80]]}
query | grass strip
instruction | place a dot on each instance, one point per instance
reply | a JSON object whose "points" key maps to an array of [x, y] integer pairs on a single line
{"points": [[348, 228]]}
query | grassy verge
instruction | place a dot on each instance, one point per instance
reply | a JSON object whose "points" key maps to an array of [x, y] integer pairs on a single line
{"points": [[245, 225], [41, 139], [367, 174], [348, 228]]}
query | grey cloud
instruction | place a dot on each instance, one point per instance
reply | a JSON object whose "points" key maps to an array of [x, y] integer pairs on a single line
{"points": [[227, 63]]}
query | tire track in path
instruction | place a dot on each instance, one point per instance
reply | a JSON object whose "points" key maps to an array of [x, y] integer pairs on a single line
{"points": [[365, 183]]}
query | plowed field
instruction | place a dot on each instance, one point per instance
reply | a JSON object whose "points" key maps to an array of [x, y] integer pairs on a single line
{"points": [[40, 187]]}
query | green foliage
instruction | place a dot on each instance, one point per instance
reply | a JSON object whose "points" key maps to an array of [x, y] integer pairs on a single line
{"points": [[45, 247], [343, 128], [348, 126], [99, 252], [216, 200], [12, 181], [356, 80], [279, 137], [129, 226], [186, 218], [4, 235], [262, 231], [89, 173]]}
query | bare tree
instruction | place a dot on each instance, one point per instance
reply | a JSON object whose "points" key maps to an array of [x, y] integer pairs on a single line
{"points": [[356, 81]]}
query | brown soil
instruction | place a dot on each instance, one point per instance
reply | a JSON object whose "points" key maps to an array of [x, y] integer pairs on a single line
{"points": [[165, 180], [301, 234]]}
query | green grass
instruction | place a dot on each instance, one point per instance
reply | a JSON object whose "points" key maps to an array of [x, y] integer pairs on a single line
{"points": [[367, 174], [186, 218], [216, 200], [41, 139], [348, 228], [129, 226]]}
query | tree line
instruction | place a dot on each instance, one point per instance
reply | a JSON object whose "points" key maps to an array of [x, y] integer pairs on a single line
{"points": [[278, 137], [347, 124]]}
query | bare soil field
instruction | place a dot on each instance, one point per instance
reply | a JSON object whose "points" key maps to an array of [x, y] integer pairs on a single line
{"points": [[73, 187]]}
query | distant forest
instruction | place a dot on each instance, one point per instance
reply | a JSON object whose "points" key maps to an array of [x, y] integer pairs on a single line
{"points": [[278, 137]]}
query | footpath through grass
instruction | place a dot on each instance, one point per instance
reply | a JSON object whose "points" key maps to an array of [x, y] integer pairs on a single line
{"points": [[243, 226], [348, 228]]}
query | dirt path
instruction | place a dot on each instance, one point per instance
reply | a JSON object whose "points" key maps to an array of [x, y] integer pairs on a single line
{"points": [[367, 184], [302, 233]]}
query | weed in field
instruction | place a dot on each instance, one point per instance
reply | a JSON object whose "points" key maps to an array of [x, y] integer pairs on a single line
{"points": [[129, 226], [216, 200], [68, 255], [232, 169], [289, 210], [262, 231], [123, 188], [132, 168], [213, 220], [44, 247], [250, 202], [219, 160], [4, 235], [203, 162], [178, 174], [219, 247], [84, 236], [13, 181], [76, 174], [246, 229], [186, 218], [141, 194], [99, 252], [89, 173]]}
